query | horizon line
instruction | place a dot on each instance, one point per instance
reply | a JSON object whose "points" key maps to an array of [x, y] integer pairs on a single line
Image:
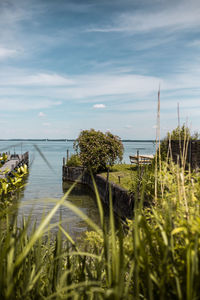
{"points": [[68, 140]]}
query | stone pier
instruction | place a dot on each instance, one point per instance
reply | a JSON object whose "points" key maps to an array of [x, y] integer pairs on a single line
{"points": [[14, 161], [123, 202]]}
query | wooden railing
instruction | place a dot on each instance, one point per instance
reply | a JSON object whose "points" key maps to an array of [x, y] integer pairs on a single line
{"points": [[141, 159]]}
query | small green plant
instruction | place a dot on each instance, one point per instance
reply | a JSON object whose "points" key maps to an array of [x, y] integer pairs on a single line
{"points": [[10, 184], [74, 161], [97, 149], [3, 159]]}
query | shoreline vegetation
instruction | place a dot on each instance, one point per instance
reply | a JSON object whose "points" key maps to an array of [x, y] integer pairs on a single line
{"points": [[11, 182], [67, 140], [156, 255]]}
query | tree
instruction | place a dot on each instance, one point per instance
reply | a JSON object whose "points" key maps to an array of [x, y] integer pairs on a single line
{"points": [[97, 149]]}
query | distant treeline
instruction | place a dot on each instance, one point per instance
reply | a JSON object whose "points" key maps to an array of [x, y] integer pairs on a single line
{"points": [[67, 140]]}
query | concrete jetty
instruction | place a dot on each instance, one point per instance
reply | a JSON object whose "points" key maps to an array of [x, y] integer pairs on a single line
{"points": [[13, 161], [123, 201]]}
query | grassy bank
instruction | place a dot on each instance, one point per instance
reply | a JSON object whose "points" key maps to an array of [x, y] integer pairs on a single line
{"points": [[158, 257], [122, 174]]}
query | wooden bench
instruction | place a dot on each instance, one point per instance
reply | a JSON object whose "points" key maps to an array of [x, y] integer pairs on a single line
{"points": [[141, 159]]}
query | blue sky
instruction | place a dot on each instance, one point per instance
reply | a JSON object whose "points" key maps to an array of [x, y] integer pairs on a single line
{"points": [[72, 65]]}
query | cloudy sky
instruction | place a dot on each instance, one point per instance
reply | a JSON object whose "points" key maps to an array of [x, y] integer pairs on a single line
{"points": [[68, 65]]}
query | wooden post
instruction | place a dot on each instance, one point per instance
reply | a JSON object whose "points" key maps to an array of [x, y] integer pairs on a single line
{"points": [[190, 153], [67, 155], [108, 174], [106, 191], [63, 161], [138, 163], [119, 178], [138, 158]]}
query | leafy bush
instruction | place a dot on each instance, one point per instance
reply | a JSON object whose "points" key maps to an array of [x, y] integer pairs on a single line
{"points": [[3, 159], [74, 161], [9, 185], [96, 149]]}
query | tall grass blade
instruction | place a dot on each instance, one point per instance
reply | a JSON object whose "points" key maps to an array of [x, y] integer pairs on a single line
{"points": [[100, 207], [42, 226], [44, 158]]}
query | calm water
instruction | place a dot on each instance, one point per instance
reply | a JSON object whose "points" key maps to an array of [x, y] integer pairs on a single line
{"points": [[44, 183]]}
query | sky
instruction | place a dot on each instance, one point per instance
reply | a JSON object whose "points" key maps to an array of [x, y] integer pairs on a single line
{"points": [[71, 65]]}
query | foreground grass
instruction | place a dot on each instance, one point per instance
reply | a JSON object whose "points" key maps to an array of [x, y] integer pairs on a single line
{"points": [[122, 174], [158, 257]]}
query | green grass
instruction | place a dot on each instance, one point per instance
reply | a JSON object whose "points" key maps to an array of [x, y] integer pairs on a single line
{"points": [[126, 172], [156, 257]]}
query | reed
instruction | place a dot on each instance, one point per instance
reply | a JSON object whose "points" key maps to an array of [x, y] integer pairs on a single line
{"points": [[157, 256]]}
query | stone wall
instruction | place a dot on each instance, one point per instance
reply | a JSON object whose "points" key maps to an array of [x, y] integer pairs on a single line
{"points": [[122, 201]]}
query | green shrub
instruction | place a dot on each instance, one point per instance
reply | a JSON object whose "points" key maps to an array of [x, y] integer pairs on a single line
{"points": [[9, 185], [179, 133], [97, 149], [3, 159], [74, 161]]}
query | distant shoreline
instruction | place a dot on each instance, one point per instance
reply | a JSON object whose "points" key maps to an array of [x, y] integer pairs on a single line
{"points": [[67, 140]]}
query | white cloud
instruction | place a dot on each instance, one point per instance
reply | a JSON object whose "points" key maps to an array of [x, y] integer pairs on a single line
{"points": [[25, 105], [12, 37], [13, 13], [41, 114], [40, 79], [5, 53], [88, 88], [195, 43], [136, 92], [14, 82], [175, 17], [96, 85], [99, 106], [48, 79]]}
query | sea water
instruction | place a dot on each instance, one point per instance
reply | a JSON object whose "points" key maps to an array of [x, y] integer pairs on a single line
{"points": [[44, 183]]}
